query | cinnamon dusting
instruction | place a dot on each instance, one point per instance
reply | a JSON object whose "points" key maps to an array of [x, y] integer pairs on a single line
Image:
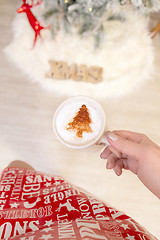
{"points": [[81, 122]]}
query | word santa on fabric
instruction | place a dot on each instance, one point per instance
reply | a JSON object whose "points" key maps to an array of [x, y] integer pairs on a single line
{"points": [[61, 70]]}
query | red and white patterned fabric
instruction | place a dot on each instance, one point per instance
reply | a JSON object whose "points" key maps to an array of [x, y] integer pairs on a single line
{"points": [[35, 205]]}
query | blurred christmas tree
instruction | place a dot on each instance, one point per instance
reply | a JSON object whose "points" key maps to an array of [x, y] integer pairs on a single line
{"points": [[89, 16]]}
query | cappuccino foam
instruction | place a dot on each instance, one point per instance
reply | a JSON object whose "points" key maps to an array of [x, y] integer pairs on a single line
{"points": [[67, 113]]}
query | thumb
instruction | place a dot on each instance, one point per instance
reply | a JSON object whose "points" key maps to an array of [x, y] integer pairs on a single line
{"points": [[124, 146]]}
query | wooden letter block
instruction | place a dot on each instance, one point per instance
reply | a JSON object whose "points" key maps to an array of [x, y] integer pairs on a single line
{"points": [[95, 74], [50, 74], [60, 70], [82, 73], [71, 72]]}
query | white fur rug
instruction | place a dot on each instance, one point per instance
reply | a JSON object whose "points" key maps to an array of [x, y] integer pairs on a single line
{"points": [[126, 56]]}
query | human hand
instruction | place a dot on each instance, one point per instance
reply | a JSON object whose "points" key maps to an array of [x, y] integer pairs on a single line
{"points": [[137, 153]]}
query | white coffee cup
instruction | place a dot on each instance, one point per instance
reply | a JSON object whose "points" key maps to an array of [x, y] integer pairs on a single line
{"points": [[65, 114]]}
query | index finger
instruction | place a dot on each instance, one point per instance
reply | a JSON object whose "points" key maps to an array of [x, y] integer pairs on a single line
{"points": [[132, 136]]}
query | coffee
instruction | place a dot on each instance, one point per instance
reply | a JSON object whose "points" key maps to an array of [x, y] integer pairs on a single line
{"points": [[79, 122]]}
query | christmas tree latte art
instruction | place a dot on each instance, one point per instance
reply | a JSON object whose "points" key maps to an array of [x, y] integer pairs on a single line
{"points": [[81, 122]]}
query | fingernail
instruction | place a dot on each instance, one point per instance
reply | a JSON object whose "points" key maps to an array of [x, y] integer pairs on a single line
{"points": [[118, 171], [109, 166], [112, 136], [101, 155]]}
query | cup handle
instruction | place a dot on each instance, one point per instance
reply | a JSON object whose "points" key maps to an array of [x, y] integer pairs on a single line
{"points": [[103, 140]]}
